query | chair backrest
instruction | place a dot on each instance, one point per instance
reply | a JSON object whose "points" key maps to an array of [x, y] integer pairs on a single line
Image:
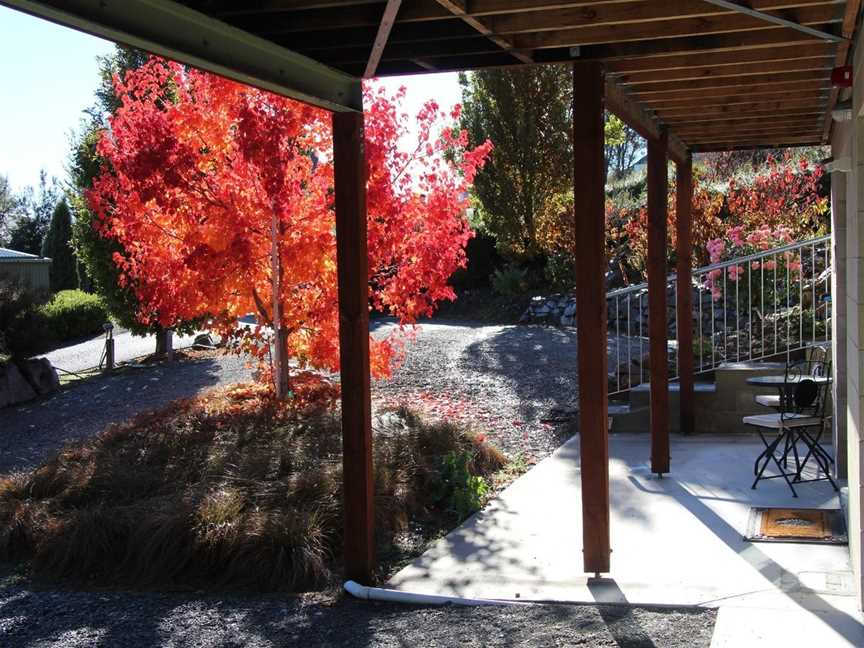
{"points": [[807, 388]]}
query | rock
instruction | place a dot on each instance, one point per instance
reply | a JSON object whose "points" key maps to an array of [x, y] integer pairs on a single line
{"points": [[41, 375], [13, 387], [568, 321], [570, 310]]}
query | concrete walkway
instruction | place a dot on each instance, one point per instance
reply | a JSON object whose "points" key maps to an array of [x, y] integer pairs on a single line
{"points": [[676, 541]]}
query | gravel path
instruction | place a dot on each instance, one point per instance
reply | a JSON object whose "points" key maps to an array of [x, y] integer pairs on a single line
{"points": [[51, 619], [517, 384], [87, 354], [504, 379], [29, 433]]}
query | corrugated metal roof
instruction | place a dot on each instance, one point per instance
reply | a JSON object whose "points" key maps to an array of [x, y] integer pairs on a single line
{"points": [[14, 255]]}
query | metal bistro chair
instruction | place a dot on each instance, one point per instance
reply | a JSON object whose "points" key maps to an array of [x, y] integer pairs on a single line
{"points": [[801, 418]]}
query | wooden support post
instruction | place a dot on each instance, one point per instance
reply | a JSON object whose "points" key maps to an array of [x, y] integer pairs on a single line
{"points": [[353, 279], [684, 295], [657, 326], [589, 179]]}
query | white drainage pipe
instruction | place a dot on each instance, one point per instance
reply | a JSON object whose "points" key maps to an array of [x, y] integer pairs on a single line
{"points": [[395, 596]]}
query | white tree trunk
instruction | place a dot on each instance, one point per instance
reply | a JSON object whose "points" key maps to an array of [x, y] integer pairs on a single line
{"points": [[280, 337]]}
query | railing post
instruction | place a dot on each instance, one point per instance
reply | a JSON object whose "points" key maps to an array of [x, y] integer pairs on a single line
{"points": [[589, 179], [353, 278], [684, 286], [657, 327]]}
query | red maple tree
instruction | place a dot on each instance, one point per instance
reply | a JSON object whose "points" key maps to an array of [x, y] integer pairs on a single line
{"points": [[222, 196]]}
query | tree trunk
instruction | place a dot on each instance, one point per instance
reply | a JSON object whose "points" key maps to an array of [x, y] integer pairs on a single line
{"points": [[163, 341], [280, 334]]}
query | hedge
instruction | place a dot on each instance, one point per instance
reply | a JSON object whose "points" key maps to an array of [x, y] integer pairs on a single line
{"points": [[74, 313]]}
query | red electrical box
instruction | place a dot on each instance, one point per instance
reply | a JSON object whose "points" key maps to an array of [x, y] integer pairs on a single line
{"points": [[841, 77]]}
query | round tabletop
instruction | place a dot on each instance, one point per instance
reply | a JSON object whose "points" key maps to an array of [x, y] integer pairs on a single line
{"points": [[775, 381]]}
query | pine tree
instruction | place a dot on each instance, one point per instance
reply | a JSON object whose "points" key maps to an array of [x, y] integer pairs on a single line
{"points": [[57, 246]]}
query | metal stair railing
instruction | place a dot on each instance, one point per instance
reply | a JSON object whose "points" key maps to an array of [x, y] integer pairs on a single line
{"points": [[754, 307]]}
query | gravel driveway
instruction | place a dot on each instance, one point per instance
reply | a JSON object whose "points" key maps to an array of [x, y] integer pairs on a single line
{"points": [[506, 380], [40, 619], [29, 433]]}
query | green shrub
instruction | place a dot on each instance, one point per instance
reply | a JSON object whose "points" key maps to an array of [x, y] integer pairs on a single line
{"points": [[74, 313], [459, 490], [510, 281]]}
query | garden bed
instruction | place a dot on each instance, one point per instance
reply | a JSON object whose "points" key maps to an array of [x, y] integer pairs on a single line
{"points": [[234, 489]]}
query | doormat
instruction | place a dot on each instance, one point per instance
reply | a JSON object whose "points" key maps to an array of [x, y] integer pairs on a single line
{"points": [[814, 526]]}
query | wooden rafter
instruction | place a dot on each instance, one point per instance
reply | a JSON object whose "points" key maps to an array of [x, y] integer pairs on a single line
{"points": [[386, 24], [639, 119], [722, 24], [777, 20], [457, 8]]}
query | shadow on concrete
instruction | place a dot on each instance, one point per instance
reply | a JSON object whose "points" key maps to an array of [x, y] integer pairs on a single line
{"points": [[792, 587]]}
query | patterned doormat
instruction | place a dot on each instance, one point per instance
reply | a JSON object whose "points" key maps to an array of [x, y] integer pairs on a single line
{"points": [[815, 526]]}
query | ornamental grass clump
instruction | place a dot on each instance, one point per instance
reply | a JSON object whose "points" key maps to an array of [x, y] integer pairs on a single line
{"points": [[232, 488]]}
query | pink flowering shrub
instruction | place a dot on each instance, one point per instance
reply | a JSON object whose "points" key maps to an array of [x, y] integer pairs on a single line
{"points": [[739, 243]]}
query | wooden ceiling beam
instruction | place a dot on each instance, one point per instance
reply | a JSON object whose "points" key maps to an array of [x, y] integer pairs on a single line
{"points": [[724, 119], [387, 20], [731, 95], [754, 145], [769, 140], [458, 8], [777, 68], [755, 81], [757, 39], [823, 15], [780, 20], [781, 53], [623, 13], [810, 128], [683, 124], [639, 119], [697, 103], [742, 108], [361, 12]]}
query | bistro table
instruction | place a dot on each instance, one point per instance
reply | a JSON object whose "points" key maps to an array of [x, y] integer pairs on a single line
{"points": [[781, 381]]}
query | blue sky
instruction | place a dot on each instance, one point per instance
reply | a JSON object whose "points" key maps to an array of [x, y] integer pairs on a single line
{"points": [[49, 74]]}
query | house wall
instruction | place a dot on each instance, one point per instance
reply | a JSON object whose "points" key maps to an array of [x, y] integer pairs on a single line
{"points": [[839, 187], [848, 141], [33, 276]]}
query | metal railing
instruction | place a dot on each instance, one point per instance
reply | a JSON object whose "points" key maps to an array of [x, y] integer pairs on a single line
{"points": [[749, 308]]}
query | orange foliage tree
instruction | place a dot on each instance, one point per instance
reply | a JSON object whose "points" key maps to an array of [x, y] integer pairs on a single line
{"points": [[218, 192]]}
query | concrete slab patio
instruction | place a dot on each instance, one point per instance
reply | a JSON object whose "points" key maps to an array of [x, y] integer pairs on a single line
{"points": [[675, 541]]}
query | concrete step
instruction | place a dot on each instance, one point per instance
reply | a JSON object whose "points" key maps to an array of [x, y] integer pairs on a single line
{"points": [[719, 406], [640, 396]]}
